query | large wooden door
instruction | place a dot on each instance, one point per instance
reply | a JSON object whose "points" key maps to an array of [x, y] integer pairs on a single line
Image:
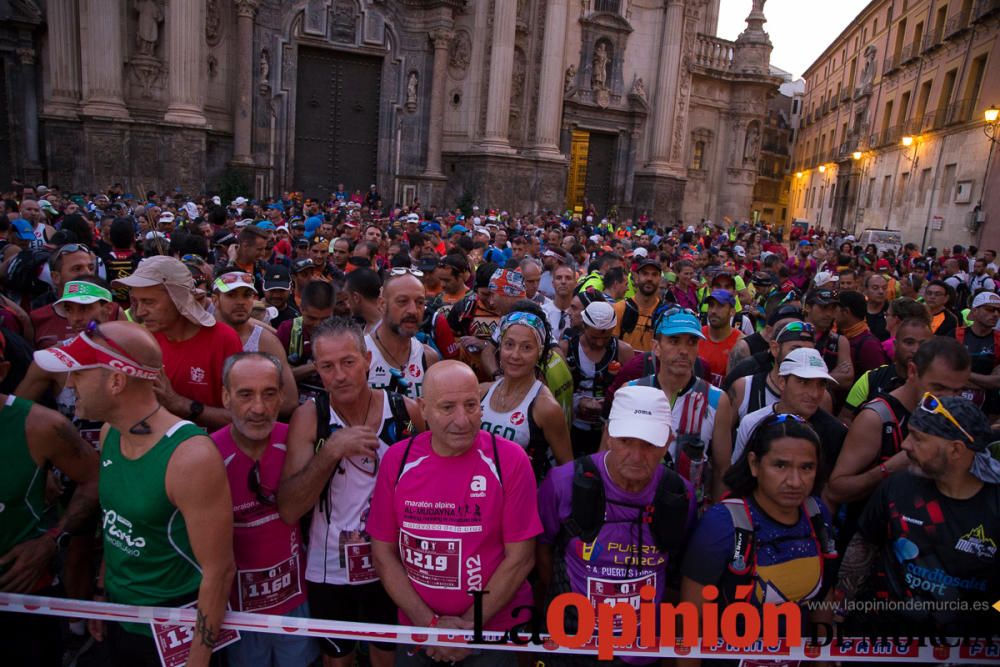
{"points": [[600, 166], [336, 121]]}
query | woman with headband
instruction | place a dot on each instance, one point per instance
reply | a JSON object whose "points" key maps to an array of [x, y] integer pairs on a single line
{"points": [[518, 406]]}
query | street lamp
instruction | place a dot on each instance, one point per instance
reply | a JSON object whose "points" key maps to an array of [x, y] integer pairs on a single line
{"points": [[856, 155], [992, 119], [907, 141], [822, 168]]}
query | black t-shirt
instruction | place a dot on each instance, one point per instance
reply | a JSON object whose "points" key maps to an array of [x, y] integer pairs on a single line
{"points": [[948, 325], [934, 548], [876, 324], [982, 349], [831, 432], [762, 361]]}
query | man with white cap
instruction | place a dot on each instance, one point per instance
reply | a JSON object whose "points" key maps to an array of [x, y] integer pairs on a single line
{"points": [[601, 510], [194, 345], [982, 340], [594, 356], [233, 294], [802, 379]]}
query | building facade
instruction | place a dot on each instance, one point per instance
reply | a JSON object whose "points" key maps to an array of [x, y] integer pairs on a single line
{"points": [[520, 104], [892, 128], [774, 177]]}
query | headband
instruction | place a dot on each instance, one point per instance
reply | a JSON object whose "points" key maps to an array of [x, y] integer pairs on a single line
{"points": [[526, 319]]}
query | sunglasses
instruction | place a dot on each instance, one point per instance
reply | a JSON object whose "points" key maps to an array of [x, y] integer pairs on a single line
{"points": [[70, 248], [234, 277], [403, 270], [256, 488], [783, 417], [94, 331], [930, 403]]}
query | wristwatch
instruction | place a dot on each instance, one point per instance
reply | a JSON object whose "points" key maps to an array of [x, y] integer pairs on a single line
{"points": [[197, 407], [60, 537]]}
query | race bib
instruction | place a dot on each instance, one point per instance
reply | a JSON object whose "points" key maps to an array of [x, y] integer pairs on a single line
{"points": [[613, 591], [173, 642], [755, 662], [358, 562], [435, 563], [268, 587]]}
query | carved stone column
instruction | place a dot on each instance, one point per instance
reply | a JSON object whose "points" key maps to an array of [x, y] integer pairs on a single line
{"points": [[551, 84], [666, 86], [501, 68], [26, 62], [185, 28], [246, 10], [101, 21], [63, 58], [442, 40]]}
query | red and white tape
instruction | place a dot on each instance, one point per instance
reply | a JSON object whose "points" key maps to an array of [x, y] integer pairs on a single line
{"points": [[843, 650]]}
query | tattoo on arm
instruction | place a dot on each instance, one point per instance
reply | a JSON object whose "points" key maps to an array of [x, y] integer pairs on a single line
{"points": [[208, 636], [856, 567]]}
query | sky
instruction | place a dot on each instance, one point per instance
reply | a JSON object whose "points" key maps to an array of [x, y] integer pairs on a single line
{"points": [[799, 29]]}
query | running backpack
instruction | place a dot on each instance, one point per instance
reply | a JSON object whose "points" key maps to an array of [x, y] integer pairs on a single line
{"points": [[742, 566], [667, 515], [960, 337], [24, 270]]}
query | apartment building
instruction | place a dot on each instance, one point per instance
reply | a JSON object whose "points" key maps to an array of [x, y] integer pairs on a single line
{"points": [[892, 128]]}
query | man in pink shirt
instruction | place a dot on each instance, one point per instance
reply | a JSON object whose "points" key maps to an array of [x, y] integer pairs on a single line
{"points": [[270, 559], [434, 543]]}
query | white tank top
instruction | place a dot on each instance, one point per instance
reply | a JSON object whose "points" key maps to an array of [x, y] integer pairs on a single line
{"points": [[512, 425], [339, 545], [253, 342], [379, 376]]}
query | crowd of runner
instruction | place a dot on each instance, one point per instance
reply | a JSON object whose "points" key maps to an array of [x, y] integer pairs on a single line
{"points": [[340, 410]]}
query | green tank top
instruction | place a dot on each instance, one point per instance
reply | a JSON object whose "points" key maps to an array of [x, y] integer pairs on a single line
{"points": [[147, 554], [22, 482], [559, 380]]}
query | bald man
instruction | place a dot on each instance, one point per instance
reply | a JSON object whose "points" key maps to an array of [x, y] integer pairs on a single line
{"points": [[35, 439], [152, 556], [429, 559]]}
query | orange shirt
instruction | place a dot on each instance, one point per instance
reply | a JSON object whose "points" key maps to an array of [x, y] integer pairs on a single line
{"points": [[716, 354]]}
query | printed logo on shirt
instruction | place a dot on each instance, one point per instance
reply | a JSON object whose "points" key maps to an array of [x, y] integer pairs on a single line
{"points": [[414, 371], [379, 369], [118, 533], [915, 522], [478, 486], [517, 418], [589, 551], [197, 375], [976, 542], [105, 463]]}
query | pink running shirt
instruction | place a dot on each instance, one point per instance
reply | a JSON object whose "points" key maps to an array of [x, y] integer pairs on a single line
{"points": [[451, 517], [270, 560]]}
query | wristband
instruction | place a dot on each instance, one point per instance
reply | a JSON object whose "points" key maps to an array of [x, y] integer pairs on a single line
{"points": [[884, 470]]}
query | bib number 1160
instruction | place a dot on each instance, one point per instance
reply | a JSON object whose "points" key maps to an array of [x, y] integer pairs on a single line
{"points": [[269, 586]]}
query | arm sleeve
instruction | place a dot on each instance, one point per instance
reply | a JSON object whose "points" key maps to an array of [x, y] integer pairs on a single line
{"points": [[710, 548]]}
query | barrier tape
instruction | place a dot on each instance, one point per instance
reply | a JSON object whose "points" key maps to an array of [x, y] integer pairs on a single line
{"points": [[844, 649]]}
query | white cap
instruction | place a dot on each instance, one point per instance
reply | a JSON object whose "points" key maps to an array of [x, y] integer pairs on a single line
{"points": [[600, 315], [217, 200], [244, 222], [690, 228], [240, 201], [596, 238], [640, 252], [739, 251], [825, 277], [640, 412], [282, 228], [986, 299], [155, 235], [806, 363], [850, 237], [166, 216]]}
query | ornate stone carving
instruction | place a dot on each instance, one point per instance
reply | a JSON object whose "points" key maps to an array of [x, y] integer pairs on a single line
{"points": [[523, 11], [412, 82], [460, 54], [213, 66], [343, 24], [213, 22], [25, 56], [868, 70], [247, 8], [517, 79], [569, 80], [147, 32], [148, 73], [264, 65], [639, 89], [751, 145]]}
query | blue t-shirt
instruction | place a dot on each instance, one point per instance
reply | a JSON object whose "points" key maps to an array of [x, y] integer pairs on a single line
{"points": [[788, 559]]}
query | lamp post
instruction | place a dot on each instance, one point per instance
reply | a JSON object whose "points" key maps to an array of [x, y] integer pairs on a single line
{"points": [[857, 156], [992, 121]]}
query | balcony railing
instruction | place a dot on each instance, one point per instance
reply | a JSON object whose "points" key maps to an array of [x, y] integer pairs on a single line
{"points": [[891, 63], [862, 90], [960, 112], [931, 41], [909, 52], [714, 53], [825, 107], [956, 23], [844, 95], [984, 8], [891, 135]]}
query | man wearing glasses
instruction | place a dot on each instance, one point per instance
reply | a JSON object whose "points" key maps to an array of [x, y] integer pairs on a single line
{"points": [[929, 533], [269, 554], [873, 449], [69, 262], [937, 295], [335, 444]]}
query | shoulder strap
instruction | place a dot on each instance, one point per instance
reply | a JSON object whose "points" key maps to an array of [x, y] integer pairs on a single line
{"points": [[401, 425], [758, 385], [828, 547], [587, 503], [322, 401], [630, 318], [743, 539], [670, 511], [880, 406], [406, 455]]}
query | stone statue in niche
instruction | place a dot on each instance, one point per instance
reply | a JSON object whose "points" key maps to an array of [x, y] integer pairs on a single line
{"points": [[264, 65], [752, 143], [757, 7], [569, 82], [868, 71], [411, 91], [461, 51], [148, 28], [599, 75], [639, 89]]}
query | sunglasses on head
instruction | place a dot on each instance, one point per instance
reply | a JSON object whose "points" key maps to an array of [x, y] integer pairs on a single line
{"points": [[256, 488], [93, 330], [930, 403], [234, 277], [403, 270], [71, 248]]}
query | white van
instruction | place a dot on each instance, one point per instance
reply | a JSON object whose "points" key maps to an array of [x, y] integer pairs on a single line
{"points": [[884, 239]]}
